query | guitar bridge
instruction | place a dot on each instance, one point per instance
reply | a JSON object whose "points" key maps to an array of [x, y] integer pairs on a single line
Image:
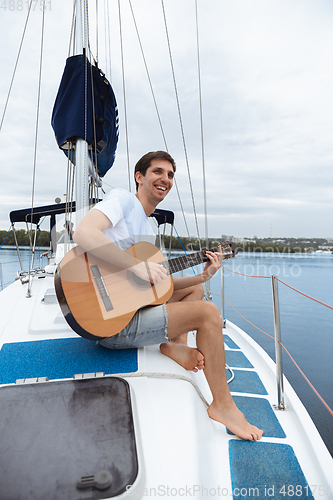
{"points": [[101, 288]]}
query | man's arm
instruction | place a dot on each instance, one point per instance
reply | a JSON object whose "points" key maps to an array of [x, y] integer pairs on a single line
{"points": [[212, 266], [89, 235]]}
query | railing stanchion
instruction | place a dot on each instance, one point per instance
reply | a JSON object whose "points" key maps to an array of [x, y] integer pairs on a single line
{"points": [[222, 296], [278, 350]]}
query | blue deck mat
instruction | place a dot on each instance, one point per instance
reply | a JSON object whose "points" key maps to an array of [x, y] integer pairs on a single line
{"points": [[259, 412], [237, 359], [62, 358], [230, 343], [266, 470], [247, 382]]}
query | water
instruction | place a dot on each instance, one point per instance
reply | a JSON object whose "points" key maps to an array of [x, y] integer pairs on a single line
{"points": [[10, 264], [306, 326]]}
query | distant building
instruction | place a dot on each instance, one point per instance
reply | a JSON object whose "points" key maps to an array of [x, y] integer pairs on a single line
{"points": [[225, 237], [235, 239]]}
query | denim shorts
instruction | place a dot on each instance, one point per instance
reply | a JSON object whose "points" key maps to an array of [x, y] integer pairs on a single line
{"points": [[147, 327]]}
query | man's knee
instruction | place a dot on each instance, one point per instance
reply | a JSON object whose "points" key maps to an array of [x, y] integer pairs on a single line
{"points": [[210, 313], [198, 292]]}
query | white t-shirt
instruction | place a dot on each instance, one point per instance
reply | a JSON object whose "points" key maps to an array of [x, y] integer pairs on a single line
{"points": [[129, 222]]}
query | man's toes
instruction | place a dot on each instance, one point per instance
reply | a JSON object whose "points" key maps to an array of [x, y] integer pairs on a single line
{"points": [[256, 435]]}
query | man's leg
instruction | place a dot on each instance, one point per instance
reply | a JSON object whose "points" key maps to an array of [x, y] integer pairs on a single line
{"points": [[204, 317], [190, 293]]}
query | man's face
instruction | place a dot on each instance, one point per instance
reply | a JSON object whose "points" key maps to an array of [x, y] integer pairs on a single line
{"points": [[158, 180]]}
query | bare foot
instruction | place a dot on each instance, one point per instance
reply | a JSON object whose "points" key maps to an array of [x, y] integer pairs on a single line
{"points": [[188, 357], [230, 416]]}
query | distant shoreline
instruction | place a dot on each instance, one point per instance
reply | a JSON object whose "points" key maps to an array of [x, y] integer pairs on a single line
{"points": [[271, 245]]}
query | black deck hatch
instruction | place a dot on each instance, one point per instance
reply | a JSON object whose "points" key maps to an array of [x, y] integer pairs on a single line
{"points": [[54, 434]]}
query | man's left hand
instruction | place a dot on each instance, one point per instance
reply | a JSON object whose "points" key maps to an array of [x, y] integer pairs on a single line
{"points": [[213, 265]]}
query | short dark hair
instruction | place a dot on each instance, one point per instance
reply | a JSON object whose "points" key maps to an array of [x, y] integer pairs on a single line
{"points": [[144, 163]]}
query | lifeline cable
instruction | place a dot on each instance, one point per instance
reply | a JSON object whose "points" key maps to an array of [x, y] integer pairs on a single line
{"points": [[304, 376]]}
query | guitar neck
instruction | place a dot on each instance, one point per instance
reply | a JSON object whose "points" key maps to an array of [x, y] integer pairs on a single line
{"points": [[185, 261]]}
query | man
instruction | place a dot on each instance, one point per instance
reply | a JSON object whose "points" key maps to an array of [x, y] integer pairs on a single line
{"points": [[117, 223]]}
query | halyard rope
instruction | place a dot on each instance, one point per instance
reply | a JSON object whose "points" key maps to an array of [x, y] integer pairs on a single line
{"points": [[181, 124], [15, 67], [173, 376], [35, 145], [158, 114]]}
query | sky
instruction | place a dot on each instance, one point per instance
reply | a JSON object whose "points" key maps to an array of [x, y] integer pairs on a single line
{"points": [[266, 70]]}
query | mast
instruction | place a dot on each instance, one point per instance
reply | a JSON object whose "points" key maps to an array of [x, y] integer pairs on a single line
{"points": [[81, 148]]}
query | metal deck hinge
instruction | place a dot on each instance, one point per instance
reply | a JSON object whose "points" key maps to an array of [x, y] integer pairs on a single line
{"points": [[88, 375], [21, 381]]}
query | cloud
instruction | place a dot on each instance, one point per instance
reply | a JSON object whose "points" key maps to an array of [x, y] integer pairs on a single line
{"points": [[266, 78]]}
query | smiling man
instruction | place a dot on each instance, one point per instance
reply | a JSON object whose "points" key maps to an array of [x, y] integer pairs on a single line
{"points": [[120, 221]]}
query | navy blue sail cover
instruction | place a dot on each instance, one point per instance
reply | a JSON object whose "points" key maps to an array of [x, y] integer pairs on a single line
{"points": [[74, 111]]}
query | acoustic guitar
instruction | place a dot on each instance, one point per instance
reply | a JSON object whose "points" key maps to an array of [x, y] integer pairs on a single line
{"points": [[99, 299]]}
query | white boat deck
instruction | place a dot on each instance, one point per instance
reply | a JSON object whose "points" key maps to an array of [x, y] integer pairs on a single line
{"points": [[181, 452]]}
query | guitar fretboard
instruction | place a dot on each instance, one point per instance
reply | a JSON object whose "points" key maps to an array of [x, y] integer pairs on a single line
{"points": [[185, 261]]}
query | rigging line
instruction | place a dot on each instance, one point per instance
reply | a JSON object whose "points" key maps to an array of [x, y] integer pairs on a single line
{"points": [[70, 180], [305, 295], [36, 137], [124, 95], [308, 381], [184, 248], [182, 208], [15, 67], [109, 39], [105, 40], [207, 284], [94, 174], [3, 241], [71, 36], [158, 113], [201, 124], [181, 123], [148, 75], [97, 31]]}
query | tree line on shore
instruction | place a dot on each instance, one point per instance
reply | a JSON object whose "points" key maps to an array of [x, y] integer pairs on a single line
{"points": [[23, 240], [192, 244], [189, 244]]}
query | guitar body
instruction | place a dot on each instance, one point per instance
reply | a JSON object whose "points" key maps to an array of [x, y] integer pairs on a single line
{"points": [[100, 299]]}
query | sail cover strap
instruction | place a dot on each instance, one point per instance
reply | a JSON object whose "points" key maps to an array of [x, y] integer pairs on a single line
{"points": [[79, 82]]}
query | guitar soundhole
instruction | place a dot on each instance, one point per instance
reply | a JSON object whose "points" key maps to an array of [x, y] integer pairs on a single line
{"points": [[137, 282]]}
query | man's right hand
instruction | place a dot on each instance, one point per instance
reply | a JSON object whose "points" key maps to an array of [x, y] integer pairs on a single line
{"points": [[150, 271]]}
